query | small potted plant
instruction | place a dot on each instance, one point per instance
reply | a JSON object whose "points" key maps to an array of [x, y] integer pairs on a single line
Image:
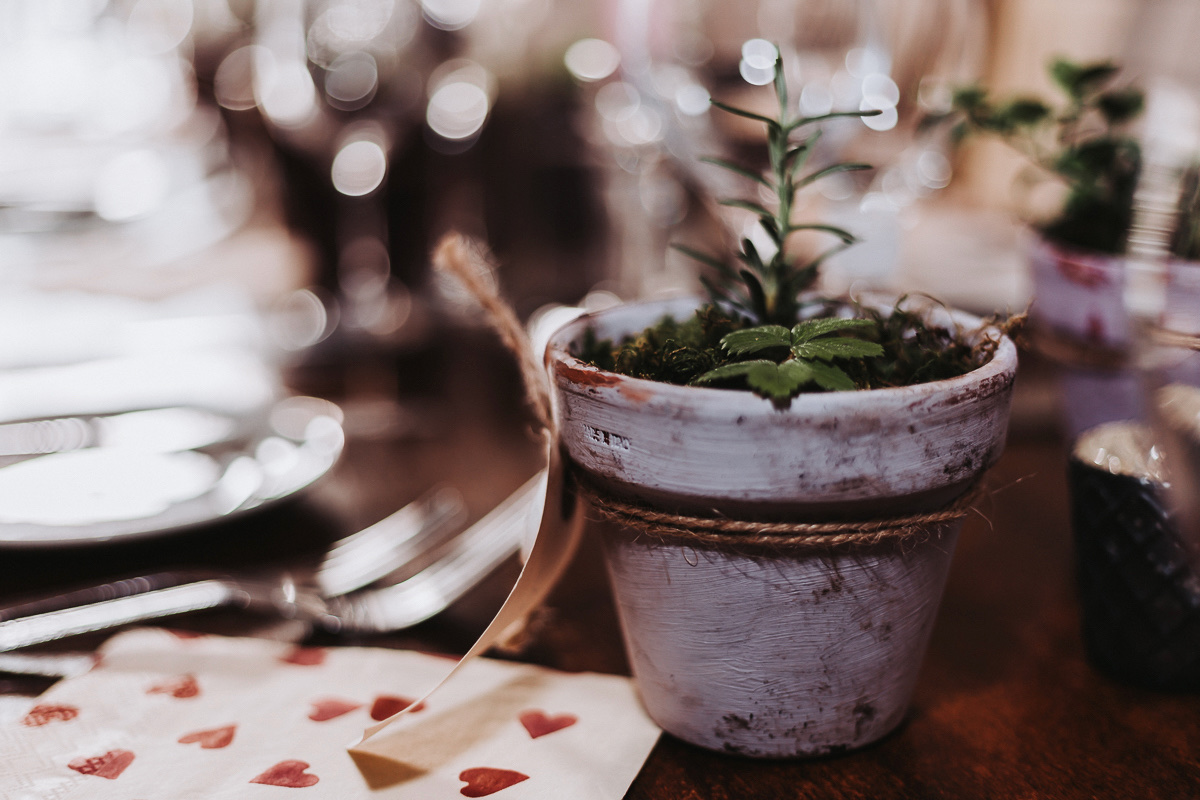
{"points": [[788, 472], [1083, 142]]}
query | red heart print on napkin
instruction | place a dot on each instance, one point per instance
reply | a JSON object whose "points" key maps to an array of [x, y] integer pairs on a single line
{"points": [[110, 765], [183, 687], [329, 707], [287, 773], [386, 705], [44, 714], [538, 723], [305, 656], [482, 781], [213, 739]]}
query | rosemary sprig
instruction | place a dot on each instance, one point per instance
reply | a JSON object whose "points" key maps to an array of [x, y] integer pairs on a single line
{"points": [[767, 289]]}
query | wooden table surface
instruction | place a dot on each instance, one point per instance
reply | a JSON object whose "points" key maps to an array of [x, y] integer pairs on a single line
{"points": [[1006, 706]]}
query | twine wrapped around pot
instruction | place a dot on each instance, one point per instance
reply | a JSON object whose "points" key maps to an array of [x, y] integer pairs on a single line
{"points": [[775, 538]]}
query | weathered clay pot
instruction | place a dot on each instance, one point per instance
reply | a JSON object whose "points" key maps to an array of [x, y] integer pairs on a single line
{"points": [[1081, 322], [1079, 293], [777, 653]]}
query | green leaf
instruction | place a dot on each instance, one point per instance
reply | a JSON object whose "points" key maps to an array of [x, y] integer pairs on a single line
{"points": [[771, 124], [841, 233], [780, 82], [779, 381], [1078, 80], [1121, 105], [821, 173], [772, 228], [748, 205], [1091, 158], [703, 258], [794, 124], [727, 372], [831, 378], [1024, 111], [810, 329], [801, 152], [752, 340], [750, 257], [969, 98], [738, 169], [836, 347], [716, 294], [758, 297]]}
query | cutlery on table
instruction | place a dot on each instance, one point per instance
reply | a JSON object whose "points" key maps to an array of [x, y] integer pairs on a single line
{"points": [[334, 599]]}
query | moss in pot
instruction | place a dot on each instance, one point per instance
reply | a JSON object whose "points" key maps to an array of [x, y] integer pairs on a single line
{"points": [[788, 476]]}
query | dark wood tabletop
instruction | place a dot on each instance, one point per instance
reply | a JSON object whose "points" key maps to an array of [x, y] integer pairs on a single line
{"points": [[1007, 705]]}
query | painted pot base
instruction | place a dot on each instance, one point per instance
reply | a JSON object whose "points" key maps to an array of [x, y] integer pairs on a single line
{"points": [[783, 656]]}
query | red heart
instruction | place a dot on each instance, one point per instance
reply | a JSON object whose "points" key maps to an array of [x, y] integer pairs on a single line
{"points": [[305, 656], [386, 705], [213, 739], [182, 687], [287, 773], [41, 715], [110, 765], [482, 781], [330, 707], [538, 724]]}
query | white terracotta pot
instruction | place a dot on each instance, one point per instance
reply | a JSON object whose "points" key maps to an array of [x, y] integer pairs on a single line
{"points": [[1079, 297], [777, 654], [1079, 293]]}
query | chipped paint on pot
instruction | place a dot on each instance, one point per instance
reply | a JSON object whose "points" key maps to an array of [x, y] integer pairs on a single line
{"points": [[1079, 293], [782, 655], [830, 454]]}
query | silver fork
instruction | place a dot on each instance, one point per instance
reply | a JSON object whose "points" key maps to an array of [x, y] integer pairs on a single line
{"points": [[462, 563], [351, 563]]}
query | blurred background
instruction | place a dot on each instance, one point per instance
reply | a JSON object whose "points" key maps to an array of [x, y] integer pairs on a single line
{"points": [[222, 203]]}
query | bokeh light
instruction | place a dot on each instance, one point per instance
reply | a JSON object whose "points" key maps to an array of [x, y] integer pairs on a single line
{"points": [[592, 59], [359, 167]]}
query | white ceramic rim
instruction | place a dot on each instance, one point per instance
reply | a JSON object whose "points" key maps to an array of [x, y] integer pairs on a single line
{"points": [[1003, 361]]}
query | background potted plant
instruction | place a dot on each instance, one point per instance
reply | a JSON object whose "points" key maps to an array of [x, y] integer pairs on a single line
{"points": [[781, 551], [1077, 256], [1083, 142]]}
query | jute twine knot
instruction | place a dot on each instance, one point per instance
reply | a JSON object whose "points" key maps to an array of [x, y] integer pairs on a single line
{"points": [[469, 263], [781, 537]]}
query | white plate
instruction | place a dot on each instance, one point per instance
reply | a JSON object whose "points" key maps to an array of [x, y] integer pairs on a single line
{"points": [[134, 487]]}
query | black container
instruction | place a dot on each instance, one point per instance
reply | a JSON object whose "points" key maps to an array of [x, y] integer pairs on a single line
{"points": [[1140, 596]]}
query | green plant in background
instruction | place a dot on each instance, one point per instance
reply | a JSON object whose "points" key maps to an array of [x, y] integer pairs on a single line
{"points": [[761, 331], [1082, 140]]}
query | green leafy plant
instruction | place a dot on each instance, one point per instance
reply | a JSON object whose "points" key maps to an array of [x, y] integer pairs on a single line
{"points": [[1082, 140], [764, 330], [810, 349], [767, 289]]}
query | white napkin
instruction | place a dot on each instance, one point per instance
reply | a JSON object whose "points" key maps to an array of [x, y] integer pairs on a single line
{"points": [[171, 717]]}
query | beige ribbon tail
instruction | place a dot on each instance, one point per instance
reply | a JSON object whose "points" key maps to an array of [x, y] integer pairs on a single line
{"points": [[382, 760]]}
